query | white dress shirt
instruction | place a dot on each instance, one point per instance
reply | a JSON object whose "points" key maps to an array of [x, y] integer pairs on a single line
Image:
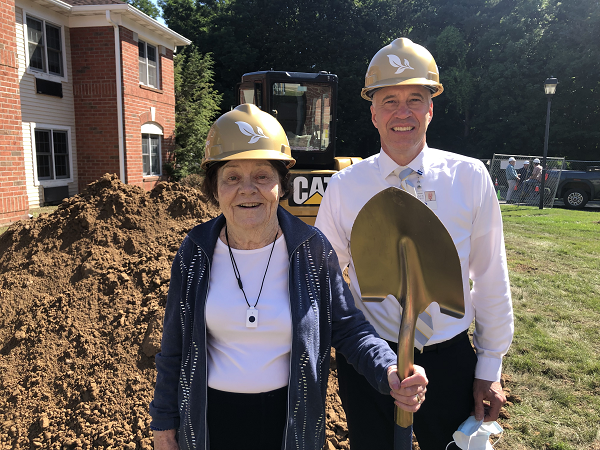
{"points": [[242, 359], [466, 203]]}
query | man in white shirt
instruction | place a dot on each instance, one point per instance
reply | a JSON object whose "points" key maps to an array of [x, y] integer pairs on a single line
{"points": [[401, 81]]}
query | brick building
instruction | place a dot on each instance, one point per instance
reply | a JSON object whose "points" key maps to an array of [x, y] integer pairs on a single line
{"points": [[86, 88]]}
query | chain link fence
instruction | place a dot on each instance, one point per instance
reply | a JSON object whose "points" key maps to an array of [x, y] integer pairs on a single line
{"points": [[526, 187]]}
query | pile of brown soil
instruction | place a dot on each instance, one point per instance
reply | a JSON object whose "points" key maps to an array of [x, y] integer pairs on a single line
{"points": [[82, 295]]}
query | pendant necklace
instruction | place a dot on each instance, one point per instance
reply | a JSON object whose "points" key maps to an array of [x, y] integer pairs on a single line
{"points": [[252, 312]]}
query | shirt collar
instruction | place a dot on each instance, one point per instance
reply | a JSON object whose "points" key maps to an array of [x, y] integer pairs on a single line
{"points": [[387, 165]]}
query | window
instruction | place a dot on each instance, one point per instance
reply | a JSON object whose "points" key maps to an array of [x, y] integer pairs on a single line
{"points": [[151, 154], [45, 47], [52, 154], [148, 64], [304, 112]]}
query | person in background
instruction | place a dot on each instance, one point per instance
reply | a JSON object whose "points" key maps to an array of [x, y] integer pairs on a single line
{"points": [[400, 83], [524, 172], [256, 301], [534, 180], [512, 178], [536, 174]]}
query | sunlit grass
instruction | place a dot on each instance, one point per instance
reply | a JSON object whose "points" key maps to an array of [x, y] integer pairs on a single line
{"points": [[554, 361]]}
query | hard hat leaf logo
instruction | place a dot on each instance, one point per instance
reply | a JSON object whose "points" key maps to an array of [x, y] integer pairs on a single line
{"points": [[395, 62], [247, 130]]}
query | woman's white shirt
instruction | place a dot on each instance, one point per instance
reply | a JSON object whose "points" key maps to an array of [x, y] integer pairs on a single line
{"points": [[242, 359]]}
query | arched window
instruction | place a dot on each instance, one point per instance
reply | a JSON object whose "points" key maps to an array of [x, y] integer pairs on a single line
{"points": [[151, 149]]}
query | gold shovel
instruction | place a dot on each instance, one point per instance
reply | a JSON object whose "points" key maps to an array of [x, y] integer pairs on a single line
{"points": [[399, 247]]}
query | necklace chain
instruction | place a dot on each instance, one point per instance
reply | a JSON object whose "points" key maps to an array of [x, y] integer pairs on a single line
{"points": [[236, 271]]}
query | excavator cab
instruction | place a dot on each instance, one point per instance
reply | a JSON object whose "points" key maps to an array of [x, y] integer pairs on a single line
{"points": [[305, 105]]}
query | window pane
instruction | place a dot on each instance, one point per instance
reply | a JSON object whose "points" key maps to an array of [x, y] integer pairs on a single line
{"points": [[61, 154], [146, 153], [54, 49], [246, 95], [34, 31], [151, 53], [42, 141], [36, 56], [60, 142], [61, 166], [143, 62], [155, 156], [151, 154], [143, 73], [151, 61], [43, 167], [43, 153], [35, 37], [152, 75], [53, 37], [54, 62], [304, 112]]}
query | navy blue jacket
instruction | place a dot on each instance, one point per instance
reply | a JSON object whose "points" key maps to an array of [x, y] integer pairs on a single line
{"points": [[323, 315]]}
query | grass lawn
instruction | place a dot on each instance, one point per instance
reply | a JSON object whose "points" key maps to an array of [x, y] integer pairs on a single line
{"points": [[554, 361]]}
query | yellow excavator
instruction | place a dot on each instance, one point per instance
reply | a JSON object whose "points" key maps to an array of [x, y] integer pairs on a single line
{"points": [[305, 105]]}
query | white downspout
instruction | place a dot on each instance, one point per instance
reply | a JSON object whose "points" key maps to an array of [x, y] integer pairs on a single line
{"points": [[119, 97]]}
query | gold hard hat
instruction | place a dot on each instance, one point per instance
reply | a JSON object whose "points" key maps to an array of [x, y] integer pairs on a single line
{"points": [[246, 132], [402, 63]]}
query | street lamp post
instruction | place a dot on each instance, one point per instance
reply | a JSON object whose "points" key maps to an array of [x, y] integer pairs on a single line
{"points": [[550, 89]]}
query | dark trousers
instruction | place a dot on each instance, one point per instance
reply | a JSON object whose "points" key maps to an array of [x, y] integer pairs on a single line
{"points": [[448, 401], [246, 421]]}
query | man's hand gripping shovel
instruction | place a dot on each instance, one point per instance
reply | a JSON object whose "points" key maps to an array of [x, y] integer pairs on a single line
{"points": [[399, 247]]}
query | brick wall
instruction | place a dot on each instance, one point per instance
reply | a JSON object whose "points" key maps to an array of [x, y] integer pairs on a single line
{"points": [[14, 204], [138, 102], [95, 101], [95, 92]]}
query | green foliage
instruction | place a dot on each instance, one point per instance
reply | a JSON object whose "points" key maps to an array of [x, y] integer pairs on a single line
{"points": [[196, 106], [493, 57], [146, 6]]}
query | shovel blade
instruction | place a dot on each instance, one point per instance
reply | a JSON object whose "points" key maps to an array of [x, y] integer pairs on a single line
{"points": [[382, 228]]}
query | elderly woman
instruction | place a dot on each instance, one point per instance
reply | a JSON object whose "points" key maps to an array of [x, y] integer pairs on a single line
{"points": [[255, 303]]}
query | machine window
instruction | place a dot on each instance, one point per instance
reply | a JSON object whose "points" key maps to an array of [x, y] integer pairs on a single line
{"points": [[304, 111]]}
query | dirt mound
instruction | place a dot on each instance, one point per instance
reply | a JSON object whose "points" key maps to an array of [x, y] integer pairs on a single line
{"points": [[82, 294]]}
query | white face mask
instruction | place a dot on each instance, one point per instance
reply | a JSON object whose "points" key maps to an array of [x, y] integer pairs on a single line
{"points": [[474, 434]]}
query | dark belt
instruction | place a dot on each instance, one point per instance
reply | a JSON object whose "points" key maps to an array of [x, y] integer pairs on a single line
{"points": [[436, 347]]}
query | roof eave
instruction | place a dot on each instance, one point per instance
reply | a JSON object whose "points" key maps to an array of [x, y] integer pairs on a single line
{"points": [[129, 10]]}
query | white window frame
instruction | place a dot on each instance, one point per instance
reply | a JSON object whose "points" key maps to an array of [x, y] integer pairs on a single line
{"points": [[54, 182], [159, 137], [146, 64], [45, 74]]}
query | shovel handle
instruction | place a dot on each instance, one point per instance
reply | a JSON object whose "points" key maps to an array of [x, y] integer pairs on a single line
{"points": [[405, 352], [413, 298]]}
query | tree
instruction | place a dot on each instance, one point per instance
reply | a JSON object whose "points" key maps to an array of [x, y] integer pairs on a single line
{"points": [[196, 106], [493, 58], [146, 6]]}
